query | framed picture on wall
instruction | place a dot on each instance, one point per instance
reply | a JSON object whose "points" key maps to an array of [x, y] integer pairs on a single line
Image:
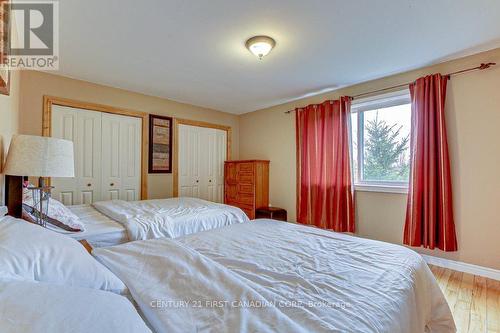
{"points": [[160, 144], [4, 46]]}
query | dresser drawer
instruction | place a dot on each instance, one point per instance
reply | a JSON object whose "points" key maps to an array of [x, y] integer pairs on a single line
{"points": [[245, 177], [246, 188], [245, 167], [245, 198]]}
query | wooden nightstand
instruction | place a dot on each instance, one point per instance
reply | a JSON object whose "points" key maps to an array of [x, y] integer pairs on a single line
{"points": [[274, 213]]}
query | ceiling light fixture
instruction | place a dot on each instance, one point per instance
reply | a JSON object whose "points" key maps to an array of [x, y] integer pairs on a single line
{"points": [[260, 45]]}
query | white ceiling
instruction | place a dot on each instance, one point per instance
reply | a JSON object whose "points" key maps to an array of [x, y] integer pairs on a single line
{"points": [[193, 51]]}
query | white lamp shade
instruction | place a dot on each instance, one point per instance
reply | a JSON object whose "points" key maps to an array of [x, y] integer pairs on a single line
{"points": [[39, 156]]}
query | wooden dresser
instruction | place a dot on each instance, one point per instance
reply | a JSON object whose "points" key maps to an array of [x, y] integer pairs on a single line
{"points": [[246, 185]]}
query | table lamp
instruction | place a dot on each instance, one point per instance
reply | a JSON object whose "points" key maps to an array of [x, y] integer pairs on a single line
{"points": [[38, 156]]}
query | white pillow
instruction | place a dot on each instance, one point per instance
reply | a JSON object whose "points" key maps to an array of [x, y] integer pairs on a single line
{"points": [[59, 215], [31, 252], [30, 307]]}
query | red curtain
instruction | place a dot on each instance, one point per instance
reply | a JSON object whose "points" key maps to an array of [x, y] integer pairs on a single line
{"points": [[324, 183], [429, 213]]}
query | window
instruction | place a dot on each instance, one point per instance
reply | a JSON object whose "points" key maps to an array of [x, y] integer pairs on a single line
{"points": [[380, 142]]}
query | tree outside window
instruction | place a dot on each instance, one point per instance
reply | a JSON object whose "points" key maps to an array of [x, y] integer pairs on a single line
{"points": [[380, 141]]}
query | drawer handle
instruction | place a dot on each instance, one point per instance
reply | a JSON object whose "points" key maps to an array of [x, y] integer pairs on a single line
{"points": [[112, 184], [210, 181], [89, 184], [197, 181]]}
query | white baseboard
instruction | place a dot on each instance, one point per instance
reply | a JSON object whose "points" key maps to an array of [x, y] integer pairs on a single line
{"points": [[463, 267]]}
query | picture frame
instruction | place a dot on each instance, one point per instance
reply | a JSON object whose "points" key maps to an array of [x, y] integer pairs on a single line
{"points": [[160, 144], [4, 46]]}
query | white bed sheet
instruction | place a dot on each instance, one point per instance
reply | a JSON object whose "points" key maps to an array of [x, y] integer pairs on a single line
{"points": [[170, 218], [100, 230], [290, 278]]}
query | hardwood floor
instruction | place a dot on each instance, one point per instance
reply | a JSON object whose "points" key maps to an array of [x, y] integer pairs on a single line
{"points": [[474, 300]]}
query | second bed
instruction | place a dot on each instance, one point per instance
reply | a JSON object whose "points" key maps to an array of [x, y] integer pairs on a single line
{"points": [[115, 222]]}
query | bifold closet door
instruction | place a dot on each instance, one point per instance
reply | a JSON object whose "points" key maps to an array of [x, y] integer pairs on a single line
{"points": [[83, 127], [202, 152], [215, 155], [189, 161], [121, 157]]}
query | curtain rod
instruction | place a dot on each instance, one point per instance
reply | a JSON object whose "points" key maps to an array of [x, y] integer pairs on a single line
{"points": [[480, 67]]}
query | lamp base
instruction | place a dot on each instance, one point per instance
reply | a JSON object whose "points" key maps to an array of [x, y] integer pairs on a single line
{"points": [[41, 197], [14, 195]]}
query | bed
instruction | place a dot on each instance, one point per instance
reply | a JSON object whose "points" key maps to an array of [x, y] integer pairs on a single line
{"points": [[116, 221], [270, 276], [100, 230], [264, 276]]}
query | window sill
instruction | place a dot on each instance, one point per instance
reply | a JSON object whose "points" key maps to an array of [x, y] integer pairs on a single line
{"points": [[381, 188]]}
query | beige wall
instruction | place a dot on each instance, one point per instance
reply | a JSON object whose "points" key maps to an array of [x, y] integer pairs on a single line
{"points": [[9, 118], [473, 111], [34, 85], [9, 114], [473, 116]]}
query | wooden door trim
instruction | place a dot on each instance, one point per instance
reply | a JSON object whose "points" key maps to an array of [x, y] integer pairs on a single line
{"points": [[48, 101], [175, 162]]}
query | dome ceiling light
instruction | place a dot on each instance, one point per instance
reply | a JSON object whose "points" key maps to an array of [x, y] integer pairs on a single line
{"points": [[260, 45]]}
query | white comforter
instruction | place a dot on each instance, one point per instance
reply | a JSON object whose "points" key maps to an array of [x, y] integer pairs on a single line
{"points": [[268, 276], [169, 218]]}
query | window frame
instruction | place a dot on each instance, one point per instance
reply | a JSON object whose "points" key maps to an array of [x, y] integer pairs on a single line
{"points": [[360, 106]]}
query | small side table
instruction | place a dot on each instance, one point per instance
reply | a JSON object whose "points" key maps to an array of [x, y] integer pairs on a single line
{"points": [[274, 213]]}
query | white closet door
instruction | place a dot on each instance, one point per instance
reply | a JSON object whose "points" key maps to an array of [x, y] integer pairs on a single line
{"points": [[221, 156], [209, 190], [83, 127], [121, 157], [131, 138], [214, 151], [189, 161], [202, 152]]}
